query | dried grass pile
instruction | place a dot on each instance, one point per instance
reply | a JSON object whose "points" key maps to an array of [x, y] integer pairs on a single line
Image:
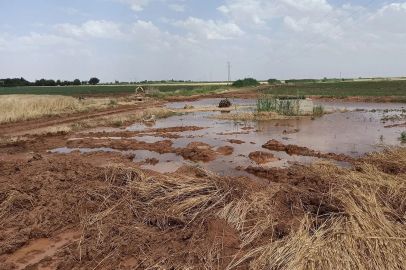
{"points": [[313, 217]]}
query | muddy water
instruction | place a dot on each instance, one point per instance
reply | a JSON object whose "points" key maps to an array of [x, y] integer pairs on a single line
{"points": [[40, 249], [353, 133]]}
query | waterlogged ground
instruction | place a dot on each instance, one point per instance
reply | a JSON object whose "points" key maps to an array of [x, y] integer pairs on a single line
{"points": [[355, 129]]}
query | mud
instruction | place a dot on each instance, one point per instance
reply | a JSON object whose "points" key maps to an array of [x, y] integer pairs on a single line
{"points": [[139, 133], [234, 133], [283, 125], [199, 151], [261, 157], [290, 149], [235, 141], [152, 161], [396, 125], [99, 210], [63, 212], [225, 150], [286, 132], [124, 145]]}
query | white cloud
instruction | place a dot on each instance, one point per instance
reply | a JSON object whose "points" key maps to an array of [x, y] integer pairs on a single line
{"points": [[70, 10], [136, 5], [201, 29], [257, 13], [33, 41], [177, 7], [94, 29]]}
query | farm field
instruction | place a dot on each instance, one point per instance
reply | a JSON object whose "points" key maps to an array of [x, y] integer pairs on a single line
{"points": [[380, 90], [344, 89], [167, 183]]}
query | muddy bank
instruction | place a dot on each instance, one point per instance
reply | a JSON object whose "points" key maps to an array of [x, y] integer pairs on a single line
{"points": [[160, 147], [129, 134], [396, 125], [290, 149]]}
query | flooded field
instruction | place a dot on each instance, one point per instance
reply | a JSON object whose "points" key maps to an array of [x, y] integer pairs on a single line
{"points": [[355, 129], [190, 190]]}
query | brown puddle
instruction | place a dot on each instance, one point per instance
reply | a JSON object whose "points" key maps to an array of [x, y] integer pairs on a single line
{"points": [[38, 250], [351, 134]]}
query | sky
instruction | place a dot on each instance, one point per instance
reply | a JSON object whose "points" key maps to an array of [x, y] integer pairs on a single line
{"points": [[135, 40]]}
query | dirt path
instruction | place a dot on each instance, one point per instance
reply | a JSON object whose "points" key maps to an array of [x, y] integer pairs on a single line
{"points": [[30, 127]]}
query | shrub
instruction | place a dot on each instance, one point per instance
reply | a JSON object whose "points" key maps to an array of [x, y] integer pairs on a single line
{"points": [[318, 110], [246, 82], [272, 81], [402, 137]]}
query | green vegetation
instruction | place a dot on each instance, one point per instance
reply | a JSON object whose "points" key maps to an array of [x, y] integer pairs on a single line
{"points": [[266, 104], [302, 81], [345, 89], [19, 82], [182, 90], [281, 107], [169, 90], [399, 100], [318, 110], [246, 82], [402, 137], [94, 81], [272, 81]]}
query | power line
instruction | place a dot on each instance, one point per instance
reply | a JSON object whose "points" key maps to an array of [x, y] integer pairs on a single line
{"points": [[274, 50], [229, 71], [313, 37], [339, 32]]}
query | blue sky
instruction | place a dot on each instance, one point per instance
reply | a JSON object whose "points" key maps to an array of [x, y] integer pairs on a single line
{"points": [[132, 40]]}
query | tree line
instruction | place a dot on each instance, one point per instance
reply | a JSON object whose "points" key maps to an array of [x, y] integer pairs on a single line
{"points": [[16, 82]]}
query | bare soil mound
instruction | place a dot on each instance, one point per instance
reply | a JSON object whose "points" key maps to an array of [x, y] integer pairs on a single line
{"points": [[197, 151], [225, 150], [261, 157]]}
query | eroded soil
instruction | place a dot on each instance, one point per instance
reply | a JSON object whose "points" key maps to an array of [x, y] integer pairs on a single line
{"points": [[102, 210]]}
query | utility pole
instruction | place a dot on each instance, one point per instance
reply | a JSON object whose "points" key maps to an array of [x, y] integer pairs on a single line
{"points": [[340, 75], [229, 71]]}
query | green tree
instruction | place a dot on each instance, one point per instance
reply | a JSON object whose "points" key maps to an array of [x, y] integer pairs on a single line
{"points": [[76, 82], [94, 81], [58, 82]]}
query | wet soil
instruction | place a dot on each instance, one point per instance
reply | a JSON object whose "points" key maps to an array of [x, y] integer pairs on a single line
{"points": [[234, 141], [396, 125], [290, 149], [286, 132], [261, 157], [92, 208], [123, 144], [65, 211]]}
